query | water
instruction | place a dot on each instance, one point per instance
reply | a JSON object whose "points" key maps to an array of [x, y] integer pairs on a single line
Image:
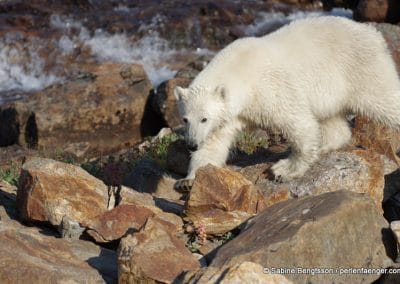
{"points": [[32, 63], [267, 22]]}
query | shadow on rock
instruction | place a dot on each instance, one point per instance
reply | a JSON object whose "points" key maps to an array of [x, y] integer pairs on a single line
{"points": [[106, 264]]}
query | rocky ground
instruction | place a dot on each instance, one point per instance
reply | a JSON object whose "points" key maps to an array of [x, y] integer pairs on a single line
{"points": [[89, 157]]}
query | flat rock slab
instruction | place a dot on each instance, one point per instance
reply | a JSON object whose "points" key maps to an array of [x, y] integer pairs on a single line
{"points": [[32, 255], [113, 224], [246, 272], [358, 170], [336, 229]]}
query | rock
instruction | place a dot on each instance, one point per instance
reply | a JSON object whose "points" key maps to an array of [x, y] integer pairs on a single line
{"points": [[191, 70], [33, 255], [9, 189], [391, 33], [86, 116], [335, 229], [147, 176], [114, 224], [70, 229], [377, 137], [164, 101], [128, 195], [8, 208], [246, 272], [354, 170], [153, 254], [178, 157], [378, 11], [221, 199], [371, 10], [395, 227], [49, 190]]}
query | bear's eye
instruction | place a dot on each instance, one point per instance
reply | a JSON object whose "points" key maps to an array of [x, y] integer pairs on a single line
{"points": [[204, 120], [185, 120]]}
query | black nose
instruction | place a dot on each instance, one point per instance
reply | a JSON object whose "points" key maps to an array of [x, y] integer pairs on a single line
{"points": [[192, 147]]}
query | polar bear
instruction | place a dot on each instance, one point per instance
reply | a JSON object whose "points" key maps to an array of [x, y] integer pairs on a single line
{"points": [[301, 79]]}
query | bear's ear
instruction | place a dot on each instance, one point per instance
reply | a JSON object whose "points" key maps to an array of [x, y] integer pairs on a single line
{"points": [[221, 92], [180, 93]]}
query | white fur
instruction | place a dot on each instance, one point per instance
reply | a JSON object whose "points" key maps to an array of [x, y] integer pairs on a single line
{"points": [[301, 79]]}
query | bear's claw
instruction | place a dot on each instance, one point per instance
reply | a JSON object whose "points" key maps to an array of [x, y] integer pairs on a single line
{"points": [[184, 185]]}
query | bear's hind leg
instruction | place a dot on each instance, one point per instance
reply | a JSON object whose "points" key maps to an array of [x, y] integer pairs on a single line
{"points": [[304, 133], [335, 133]]}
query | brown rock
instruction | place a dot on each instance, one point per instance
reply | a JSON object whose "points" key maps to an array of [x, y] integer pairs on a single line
{"points": [[49, 190], [128, 195], [371, 10], [377, 137], [148, 177], [246, 272], [97, 113], [354, 170], [153, 254], [378, 11], [165, 102], [221, 199], [114, 224], [391, 33], [336, 229], [32, 255]]}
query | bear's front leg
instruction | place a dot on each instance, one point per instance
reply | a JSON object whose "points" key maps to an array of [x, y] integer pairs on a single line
{"points": [[304, 133], [215, 151], [211, 153]]}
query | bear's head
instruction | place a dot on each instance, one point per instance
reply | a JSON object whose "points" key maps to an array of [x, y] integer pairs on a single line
{"points": [[203, 111]]}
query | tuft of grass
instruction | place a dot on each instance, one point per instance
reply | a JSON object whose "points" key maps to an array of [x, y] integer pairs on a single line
{"points": [[248, 142], [10, 174]]}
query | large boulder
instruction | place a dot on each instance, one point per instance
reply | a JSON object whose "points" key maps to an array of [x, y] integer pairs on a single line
{"points": [[332, 230], [98, 112], [246, 272], [221, 200], [49, 191], [356, 170], [70, 199], [153, 255]]}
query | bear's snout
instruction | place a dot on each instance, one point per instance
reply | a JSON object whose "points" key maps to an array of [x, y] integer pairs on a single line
{"points": [[192, 146]]}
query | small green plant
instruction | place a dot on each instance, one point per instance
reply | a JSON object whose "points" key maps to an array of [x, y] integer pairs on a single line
{"points": [[248, 142], [93, 167], [159, 148], [10, 174], [227, 237]]}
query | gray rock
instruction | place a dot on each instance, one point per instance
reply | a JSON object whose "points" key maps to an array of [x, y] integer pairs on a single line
{"points": [[336, 229]]}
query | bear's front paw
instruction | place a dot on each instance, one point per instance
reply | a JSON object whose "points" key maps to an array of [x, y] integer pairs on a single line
{"points": [[184, 185]]}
